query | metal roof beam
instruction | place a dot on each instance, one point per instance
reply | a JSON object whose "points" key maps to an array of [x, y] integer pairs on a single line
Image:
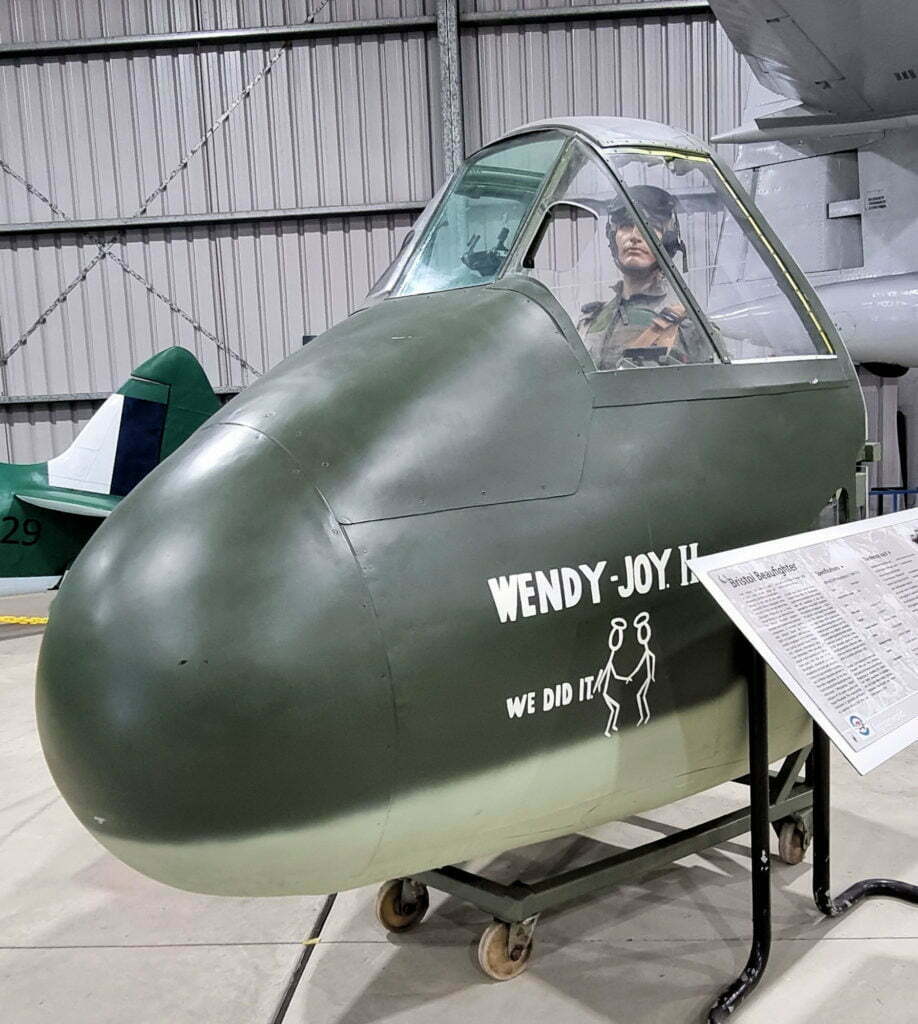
{"points": [[282, 33], [216, 37], [593, 12], [103, 226], [82, 396]]}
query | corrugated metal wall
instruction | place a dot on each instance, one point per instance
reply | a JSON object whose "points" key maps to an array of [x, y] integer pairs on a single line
{"points": [[28, 433], [337, 122], [681, 70], [283, 218]]}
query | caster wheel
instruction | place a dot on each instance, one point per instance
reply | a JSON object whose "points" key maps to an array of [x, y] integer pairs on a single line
{"points": [[396, 913], [792, 843], [494, 958]]}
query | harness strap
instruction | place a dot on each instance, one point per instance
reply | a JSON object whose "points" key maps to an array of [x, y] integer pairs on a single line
{"points": [[663, 331]]}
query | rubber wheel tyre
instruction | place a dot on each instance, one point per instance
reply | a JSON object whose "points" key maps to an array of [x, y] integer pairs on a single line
{"points": [[390, 912], [791, 843], [493, 957]]}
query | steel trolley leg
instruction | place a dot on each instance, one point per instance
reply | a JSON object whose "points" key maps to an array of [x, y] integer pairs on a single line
{"points": [[759, 809]]}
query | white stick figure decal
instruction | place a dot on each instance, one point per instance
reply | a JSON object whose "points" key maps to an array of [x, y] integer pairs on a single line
{"points": [[646, 665], [616, 638]]}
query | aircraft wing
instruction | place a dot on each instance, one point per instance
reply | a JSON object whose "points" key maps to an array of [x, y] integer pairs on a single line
{"points": [[838, 61], [72, 502]]}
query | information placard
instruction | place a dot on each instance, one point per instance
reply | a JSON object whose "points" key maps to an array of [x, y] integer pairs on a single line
{"points": [[835, 614]]}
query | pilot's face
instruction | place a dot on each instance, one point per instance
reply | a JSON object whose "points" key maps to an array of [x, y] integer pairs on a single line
{"points": [[633, 251]]}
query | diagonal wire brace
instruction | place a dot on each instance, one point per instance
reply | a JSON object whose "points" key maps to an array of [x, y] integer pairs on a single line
{"points": [[178, 311], [105, 248]]}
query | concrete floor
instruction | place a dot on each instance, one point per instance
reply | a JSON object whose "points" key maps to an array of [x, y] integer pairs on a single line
{"points": [[86, 940], [24, 606]]}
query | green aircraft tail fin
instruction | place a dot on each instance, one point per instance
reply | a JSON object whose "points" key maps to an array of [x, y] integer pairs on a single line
{"points": [[50, 509], [160, 405], [191, 399]]}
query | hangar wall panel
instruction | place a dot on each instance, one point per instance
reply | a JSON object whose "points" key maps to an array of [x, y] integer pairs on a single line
{"points": [[257, 287], [32, 433], [95, 136], [337, 122], [681, 70], [344, 120]]}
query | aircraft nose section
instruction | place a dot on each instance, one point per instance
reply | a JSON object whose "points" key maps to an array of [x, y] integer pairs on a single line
{"points": [[212, 693]]}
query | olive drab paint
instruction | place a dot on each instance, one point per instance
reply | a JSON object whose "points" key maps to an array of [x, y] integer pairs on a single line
{"points": [[434, 598]]}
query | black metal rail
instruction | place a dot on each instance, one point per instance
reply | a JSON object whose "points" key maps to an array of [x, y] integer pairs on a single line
{"points": [[818, 782], [759, 852], [835, 907]]}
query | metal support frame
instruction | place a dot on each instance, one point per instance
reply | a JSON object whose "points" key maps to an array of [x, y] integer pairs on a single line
{"points": [[451, 117], [782, 782], [898, 497], [521, 901], [774, 797]]}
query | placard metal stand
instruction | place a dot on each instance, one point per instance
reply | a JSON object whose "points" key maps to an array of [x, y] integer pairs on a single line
{"points": [[760, 812]]}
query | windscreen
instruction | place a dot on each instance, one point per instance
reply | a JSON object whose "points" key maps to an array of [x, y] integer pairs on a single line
{"points": [[467, 239], [598, 261], [753, 305]]}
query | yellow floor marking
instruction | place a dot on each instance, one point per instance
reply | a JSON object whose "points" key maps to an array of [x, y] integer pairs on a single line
{"points": [[23, 620]]}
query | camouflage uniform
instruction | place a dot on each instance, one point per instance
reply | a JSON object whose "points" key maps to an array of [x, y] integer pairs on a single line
{"points": [[654, 320]]}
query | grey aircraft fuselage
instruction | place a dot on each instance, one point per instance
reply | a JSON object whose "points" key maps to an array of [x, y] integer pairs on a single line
{"points": [[353, 628], [844, 207], [829, 153]]}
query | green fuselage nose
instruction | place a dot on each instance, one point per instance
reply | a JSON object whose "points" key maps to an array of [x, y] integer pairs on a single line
{"points": [[319, 645], [204, 657]]}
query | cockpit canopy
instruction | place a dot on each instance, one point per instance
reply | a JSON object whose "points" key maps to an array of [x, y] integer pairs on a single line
{"points": [[653, 253]]}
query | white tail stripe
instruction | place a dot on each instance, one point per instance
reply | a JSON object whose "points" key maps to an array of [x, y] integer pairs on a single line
{"points": [[87, 465], [13, 585]]}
